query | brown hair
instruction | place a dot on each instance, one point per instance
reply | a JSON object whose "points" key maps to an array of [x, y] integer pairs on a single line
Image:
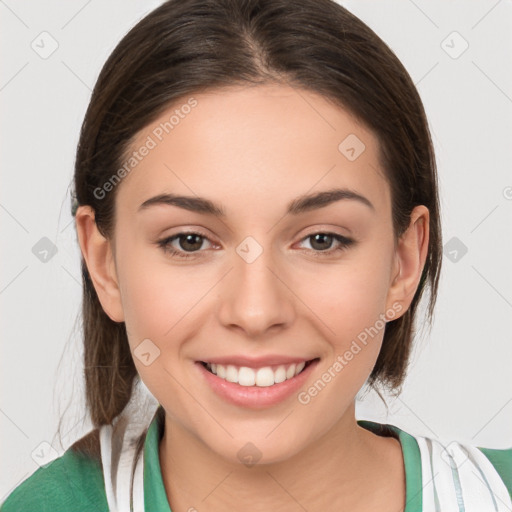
{"points": [[189, 46]]}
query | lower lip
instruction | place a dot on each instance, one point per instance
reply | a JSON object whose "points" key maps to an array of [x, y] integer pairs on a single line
{"points": [[256, 397]]}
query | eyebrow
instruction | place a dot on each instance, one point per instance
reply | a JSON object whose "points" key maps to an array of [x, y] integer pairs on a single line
{"points": [[299, 205]]}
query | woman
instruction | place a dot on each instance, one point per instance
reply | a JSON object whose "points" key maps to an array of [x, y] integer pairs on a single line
{"points": [[257, 210]]}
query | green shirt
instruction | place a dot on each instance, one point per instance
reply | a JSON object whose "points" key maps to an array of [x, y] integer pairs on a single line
{"points": [[74, 481]]}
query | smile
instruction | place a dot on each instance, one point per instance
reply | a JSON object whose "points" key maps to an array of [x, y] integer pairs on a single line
{"points": [[255, 384], [261, 377]]}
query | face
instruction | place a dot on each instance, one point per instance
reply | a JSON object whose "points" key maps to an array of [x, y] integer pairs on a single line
{"points": [[275, 280]]}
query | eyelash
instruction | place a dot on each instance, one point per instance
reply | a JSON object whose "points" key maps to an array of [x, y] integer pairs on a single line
{"points": [[164, 244]]}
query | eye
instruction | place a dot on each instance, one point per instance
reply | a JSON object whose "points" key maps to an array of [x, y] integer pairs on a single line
{"points": [[323, 242], [188, 242]]}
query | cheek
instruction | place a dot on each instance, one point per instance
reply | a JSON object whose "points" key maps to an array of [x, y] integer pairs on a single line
{"points": [[349, 302], [159, 318], [349, 296], [157, 299]]}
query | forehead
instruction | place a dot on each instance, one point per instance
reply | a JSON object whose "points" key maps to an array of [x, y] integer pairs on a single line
{"points": [[244, 145]]}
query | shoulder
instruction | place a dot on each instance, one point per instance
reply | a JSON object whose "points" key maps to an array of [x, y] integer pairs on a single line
{"points": [[448, 475], [454, 471], [501, 459], [71, 482]]}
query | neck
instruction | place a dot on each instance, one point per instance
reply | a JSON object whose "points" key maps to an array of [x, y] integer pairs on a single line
{"points": [[347, 467]]}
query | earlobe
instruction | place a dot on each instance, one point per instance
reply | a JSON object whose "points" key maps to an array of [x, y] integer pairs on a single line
{"points": [[98, 256], [411, 254]]}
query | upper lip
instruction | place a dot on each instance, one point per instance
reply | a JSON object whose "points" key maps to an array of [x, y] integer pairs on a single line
{"points": [[256, 362]]}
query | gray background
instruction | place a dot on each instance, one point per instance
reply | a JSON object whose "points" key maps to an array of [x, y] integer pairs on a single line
{"points": [[459, 384]]}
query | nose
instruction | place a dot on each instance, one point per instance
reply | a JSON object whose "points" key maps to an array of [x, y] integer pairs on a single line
{"points": [[254, 296]]}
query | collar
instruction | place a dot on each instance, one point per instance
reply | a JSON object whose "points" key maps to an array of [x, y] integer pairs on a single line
{"points": [[412, 461], [155, 497]]}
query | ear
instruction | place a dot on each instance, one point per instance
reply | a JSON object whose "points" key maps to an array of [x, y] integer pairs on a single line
{"points": [[410, 257], [98, 256]]}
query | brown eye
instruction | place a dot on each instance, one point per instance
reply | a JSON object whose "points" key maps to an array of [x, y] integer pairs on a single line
{"points": [[190, 241], [322, 242], [186, 243]]}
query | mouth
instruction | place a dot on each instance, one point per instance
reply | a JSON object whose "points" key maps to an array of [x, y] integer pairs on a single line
{"points": [[264, 376]]}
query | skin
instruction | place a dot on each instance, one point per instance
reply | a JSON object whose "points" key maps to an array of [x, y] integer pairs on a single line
{"points": [[253, 150]]}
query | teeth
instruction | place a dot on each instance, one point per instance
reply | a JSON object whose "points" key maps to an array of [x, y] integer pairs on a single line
{"points": [[280, 375], [221, 371], [246, 376], [232, 374], [262, 377]]}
